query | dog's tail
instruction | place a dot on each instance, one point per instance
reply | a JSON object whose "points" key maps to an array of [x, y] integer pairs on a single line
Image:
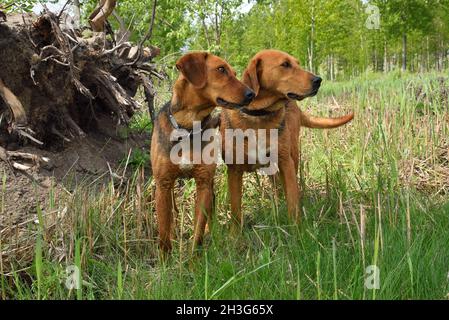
{"points": [[309, 121]]}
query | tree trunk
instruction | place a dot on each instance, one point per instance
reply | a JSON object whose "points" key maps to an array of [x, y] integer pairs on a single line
{"points": [[385, 57], [332, 68], [447, 56], [312, 36], [428, 55], [404, 51], [218, 21], [100, 15], [77, 13], [375, 68]]}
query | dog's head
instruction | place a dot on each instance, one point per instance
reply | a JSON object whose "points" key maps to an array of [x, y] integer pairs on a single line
{"points": [[280, 75], [213, 81]]}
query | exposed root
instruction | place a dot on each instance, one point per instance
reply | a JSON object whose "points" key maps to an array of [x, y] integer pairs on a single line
{"points": [[73, 126], [79, 77], [16, 107], [59, 134], [115, 97], [24, 133], [59, 83], [149, 95], [32, 161]]}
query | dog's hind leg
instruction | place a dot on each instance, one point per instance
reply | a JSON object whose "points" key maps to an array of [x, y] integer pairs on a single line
{"points": [[291, 189], [235, 186], [208, 228], [203, 209]]}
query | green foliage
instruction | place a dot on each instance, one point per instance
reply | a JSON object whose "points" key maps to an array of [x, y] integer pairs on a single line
{"points": [[22, 5], [173, 26], [138, 159], [330, 37], [141, 122]]}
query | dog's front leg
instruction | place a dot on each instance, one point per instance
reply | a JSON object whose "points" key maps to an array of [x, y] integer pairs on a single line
{"points": [[291, 189], [203, 209], [164, 207]]}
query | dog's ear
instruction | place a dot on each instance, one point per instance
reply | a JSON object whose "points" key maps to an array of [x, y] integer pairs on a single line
{"points": [[193, 67], [251, 75]]}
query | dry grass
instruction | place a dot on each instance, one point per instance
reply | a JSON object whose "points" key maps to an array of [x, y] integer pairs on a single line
{"points": [[374, 192]]}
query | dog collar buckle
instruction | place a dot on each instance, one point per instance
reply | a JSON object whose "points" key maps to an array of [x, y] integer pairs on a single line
{"points": [[173, 121], [183, 133]]}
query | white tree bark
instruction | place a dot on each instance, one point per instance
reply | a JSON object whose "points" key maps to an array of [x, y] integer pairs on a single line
{"points": [[77, 13]]}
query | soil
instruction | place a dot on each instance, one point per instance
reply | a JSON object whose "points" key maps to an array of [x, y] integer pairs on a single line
{"points": [[81, 161]]}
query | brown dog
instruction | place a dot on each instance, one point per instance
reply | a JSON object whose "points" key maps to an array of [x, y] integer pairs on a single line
{"points": [[277, 80], [205, 82]]}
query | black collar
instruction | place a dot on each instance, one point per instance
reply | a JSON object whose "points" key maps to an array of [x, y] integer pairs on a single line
{"points": [[261, 112], [257, 113], [191, 132]]}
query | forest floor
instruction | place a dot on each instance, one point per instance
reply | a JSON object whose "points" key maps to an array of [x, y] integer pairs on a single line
{"points": [[375, 193]]}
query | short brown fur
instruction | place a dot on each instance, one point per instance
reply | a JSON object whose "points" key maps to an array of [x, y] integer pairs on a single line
{"points": [[204, 82], [276, 77]]}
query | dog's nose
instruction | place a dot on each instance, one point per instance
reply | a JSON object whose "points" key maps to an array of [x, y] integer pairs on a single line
{"points": [[317, 82], [249, 96]]}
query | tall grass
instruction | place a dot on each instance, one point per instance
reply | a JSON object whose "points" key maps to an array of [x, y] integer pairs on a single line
{"points": [[372, 195]]}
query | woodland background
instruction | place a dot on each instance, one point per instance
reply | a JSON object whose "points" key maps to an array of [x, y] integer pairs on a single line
{"points": [[330, 37]]}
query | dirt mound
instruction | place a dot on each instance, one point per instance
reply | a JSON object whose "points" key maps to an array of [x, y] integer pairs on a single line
{"points": [[82, 161]]}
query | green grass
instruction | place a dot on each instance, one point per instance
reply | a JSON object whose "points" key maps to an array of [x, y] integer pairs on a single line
{"points": [[374, 193]]}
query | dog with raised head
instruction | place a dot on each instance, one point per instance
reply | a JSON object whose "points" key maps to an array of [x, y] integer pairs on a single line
{"points": [[278, 81], [205, 81]]}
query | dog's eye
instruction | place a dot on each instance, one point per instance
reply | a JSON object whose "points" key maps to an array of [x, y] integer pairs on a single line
{"points": [[286, 64], [222, 70]]}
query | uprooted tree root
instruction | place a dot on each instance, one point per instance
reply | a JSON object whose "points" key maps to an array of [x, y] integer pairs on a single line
{"points": [[65, 95], [54, 82]]}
